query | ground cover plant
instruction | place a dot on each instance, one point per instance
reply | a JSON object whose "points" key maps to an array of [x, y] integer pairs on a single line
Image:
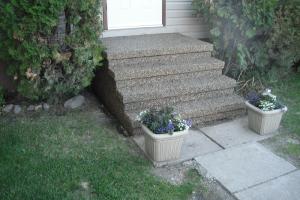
{"points": [[264, 101], [51, 47], [164, 120], [76, 156]]}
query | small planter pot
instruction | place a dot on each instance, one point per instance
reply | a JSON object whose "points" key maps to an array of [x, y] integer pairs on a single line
{"points": [[163, 147], [264, 122]]}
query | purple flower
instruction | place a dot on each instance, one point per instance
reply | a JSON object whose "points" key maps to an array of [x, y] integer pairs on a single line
{"points": [[170, 126], [189, 123], [253, 97]]}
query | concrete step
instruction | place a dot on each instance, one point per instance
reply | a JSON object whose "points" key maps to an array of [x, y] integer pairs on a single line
{"points": [[139, 68], [173, 88], [152, 45], [169, 101], [202, 111], [173, 77]]}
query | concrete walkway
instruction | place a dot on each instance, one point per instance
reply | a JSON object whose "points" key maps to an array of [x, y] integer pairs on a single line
{"points": [[230, 154]]}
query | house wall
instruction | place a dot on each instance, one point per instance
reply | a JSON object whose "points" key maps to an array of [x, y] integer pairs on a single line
{"points": [[180, 17]]}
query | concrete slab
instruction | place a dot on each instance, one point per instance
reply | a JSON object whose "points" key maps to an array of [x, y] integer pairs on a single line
{"points": [[195, 144], [233, 133], [283, 188], [240, 167]]}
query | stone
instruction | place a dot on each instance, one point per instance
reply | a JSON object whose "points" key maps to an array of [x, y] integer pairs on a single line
{"points": [[8, 108], [17, 109], [233, 133], [244, 166], [38, 107], [31, 108], [286, 187], [46, 106], [195, 144], [75, 102]]}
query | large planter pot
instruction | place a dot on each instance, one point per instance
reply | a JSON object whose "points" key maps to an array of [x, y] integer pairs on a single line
{"points": [[163, 147], [264, 122]]}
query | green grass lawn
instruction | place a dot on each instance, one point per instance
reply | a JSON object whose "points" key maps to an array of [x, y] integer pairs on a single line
{"points": [[76, 157], [288, 91]]}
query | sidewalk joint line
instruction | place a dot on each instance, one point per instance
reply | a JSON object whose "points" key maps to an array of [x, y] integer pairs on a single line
{"points": [[266, 181]]}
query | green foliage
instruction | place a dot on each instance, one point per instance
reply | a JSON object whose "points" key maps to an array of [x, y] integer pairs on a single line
{"points": [[52, 46], [253, 37], [2, 101], [163, 121]]}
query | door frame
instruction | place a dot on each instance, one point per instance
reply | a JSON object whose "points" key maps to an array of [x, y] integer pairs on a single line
{"points": [[105, 20]]}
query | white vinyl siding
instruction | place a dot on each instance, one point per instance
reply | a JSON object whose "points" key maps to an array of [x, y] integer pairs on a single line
{"points": [[180, 17]]}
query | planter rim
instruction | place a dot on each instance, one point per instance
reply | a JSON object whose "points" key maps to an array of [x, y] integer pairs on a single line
{"points": [[163, 136], [254, 108]]}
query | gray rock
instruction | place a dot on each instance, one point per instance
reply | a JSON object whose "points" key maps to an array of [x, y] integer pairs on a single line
{"points": [[17, 109], [75, 102], [46, 107], [31, 108], [38, 107], [8, 108]]}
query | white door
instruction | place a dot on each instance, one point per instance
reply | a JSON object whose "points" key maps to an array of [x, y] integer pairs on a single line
{"points": [[123, 14]]}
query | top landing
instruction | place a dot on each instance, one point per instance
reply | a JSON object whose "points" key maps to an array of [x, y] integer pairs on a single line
{"points": [[153, 45]]}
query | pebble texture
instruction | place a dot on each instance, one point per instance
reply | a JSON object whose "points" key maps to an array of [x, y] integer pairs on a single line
{"points": [[165, 69], [153, 45], [164, 65]]}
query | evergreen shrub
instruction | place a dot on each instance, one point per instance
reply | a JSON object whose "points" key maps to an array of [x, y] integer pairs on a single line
{"points": [[51, 46]]}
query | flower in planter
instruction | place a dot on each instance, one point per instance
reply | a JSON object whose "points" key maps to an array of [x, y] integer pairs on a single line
{"points": [[163, 121], [265, 101]]}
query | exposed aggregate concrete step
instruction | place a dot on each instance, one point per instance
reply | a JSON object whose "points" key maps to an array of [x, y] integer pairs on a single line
{"points": [[152, 45], [169, 78], [163, 65], [165, 70], [172, 88], [204, 110], [161, 59], [169, 101]]}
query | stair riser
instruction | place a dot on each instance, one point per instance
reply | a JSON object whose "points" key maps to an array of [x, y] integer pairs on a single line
{"points": [[158, 103], [157, 92], [172, 77], [213, 119], [159, 60], [204, 120], [140, 73]]}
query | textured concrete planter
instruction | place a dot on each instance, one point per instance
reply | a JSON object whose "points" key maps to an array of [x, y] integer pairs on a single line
{"points": [[163, 147], [264, 122]]}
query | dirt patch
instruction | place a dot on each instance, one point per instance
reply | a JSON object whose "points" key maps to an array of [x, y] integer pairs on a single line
{"points": [[208, 189], [174, 174]]}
